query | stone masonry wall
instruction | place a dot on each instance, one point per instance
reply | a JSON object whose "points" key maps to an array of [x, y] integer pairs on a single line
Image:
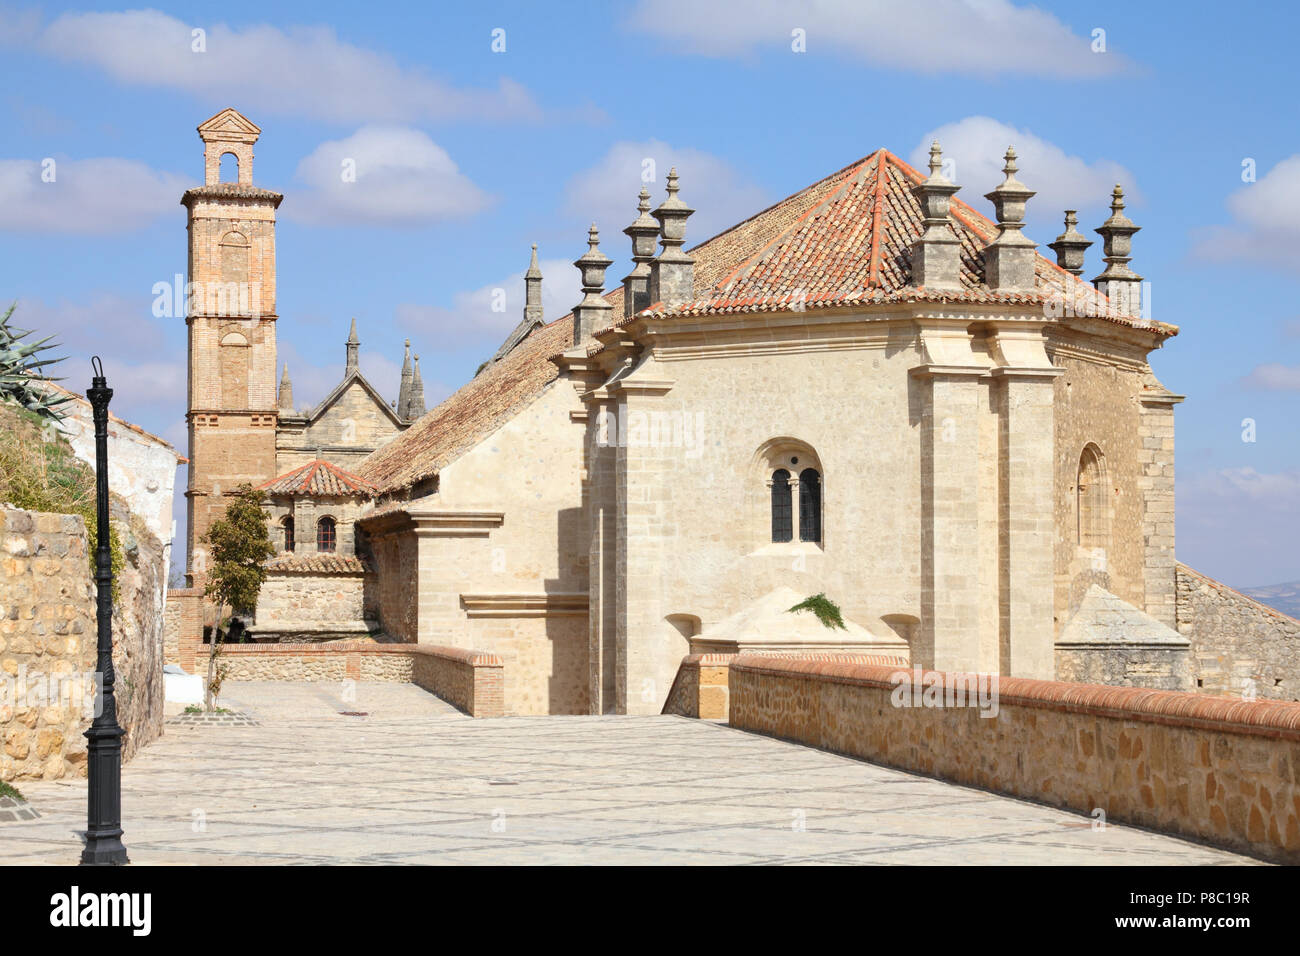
{"points": [[1213, 769], [47, 629], [293, 600], [1239, 647]]}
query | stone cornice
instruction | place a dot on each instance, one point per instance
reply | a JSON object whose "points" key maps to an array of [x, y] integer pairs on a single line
{"points": [[949, 371], [536, 604], [454, 524]]}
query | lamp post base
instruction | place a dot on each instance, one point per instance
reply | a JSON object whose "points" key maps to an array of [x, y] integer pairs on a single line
{"points": [[104, 797]]}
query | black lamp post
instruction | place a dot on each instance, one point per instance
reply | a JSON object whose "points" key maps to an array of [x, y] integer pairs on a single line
{"points": [[104, 754]]}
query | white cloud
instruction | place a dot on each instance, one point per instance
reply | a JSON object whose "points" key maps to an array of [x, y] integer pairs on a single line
{"points": [[1266, 218], [383, 175], [92, 196], [1238, 525], [977, 145], [1274, 377], [606, 193], [983, 37], [303, 70], [482, 318]]}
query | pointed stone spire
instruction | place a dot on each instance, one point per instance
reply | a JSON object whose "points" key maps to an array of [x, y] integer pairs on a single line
{"points": [[1009, 259], [1120, 284], [1070, 245], [533, 290], [936, 253], [404, 389], [593, 311], [286, 391], [643, 232], [354, 344], [415, 403], [672, 273]]}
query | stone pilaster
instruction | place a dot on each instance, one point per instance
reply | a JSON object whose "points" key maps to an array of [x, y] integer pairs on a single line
{"points": [[600, 500], [1156, 485], [948, 637], [643, 478]]}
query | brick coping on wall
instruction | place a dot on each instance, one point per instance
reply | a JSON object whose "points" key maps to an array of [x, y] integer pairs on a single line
{"points": [[1261, 718]]}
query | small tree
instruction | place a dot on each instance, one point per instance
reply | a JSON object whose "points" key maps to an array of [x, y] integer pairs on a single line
{"points": [[238, 545]]}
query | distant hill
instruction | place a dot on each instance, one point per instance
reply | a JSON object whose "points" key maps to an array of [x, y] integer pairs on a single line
{"points": [[1281, 597]]}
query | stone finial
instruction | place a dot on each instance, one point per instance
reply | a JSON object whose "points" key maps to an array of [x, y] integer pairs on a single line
{"points": [[936, 253], [354, 344], [404, 389], [592, 312], [1009, 259], [643, 232], [672, 273], [533, 289], [286, 391], [415, 402], [1070, 245], [1120, 284]]}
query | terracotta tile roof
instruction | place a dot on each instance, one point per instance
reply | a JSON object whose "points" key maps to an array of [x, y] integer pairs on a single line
{"points": [[320, 563], [841, 242], [318, 478], [845, 242]]}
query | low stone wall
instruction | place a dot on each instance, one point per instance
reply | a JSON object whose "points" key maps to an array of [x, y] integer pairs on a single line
{"points": [[470, 680], [701, 689], [48, 642], [1239, 647], [1219, 770], [292, 602]]}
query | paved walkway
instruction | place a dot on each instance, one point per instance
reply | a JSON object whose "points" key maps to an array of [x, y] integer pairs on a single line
{"points": [[417, 782]]}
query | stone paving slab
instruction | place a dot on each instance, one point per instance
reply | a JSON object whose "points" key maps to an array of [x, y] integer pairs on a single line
{"points": [[417, 782]]}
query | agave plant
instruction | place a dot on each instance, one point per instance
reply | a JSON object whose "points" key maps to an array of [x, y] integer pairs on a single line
{"points": [[20, 371]]}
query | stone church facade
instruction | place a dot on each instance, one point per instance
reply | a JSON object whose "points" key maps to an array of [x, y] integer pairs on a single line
{"points": [[869, 390]]}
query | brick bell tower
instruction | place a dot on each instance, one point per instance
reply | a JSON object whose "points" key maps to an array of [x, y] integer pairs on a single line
{"points": [[230, 313]]}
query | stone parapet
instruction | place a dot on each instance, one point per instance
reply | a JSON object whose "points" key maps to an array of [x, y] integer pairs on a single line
{"points": [[1214, 769], [473, 681]]}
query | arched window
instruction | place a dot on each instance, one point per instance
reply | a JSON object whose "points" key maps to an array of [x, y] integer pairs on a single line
{"points": [[810, 505], [229, 168], [1092, 501], [782, 524], [325, 539], [287, 524]]}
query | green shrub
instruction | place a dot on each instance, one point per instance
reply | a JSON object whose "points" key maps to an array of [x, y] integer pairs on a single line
{"points": [[827, 611], [7, 791]]}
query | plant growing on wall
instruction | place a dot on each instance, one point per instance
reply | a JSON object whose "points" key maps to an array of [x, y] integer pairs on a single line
{"points": [[827, 611], [20, 371], [238, 546]]}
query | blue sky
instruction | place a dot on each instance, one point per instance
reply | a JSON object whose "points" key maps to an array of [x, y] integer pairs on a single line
{"points": [[474, 154]]}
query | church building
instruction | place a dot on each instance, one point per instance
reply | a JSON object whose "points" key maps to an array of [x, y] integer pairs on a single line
{"points": [[870, 390]]}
